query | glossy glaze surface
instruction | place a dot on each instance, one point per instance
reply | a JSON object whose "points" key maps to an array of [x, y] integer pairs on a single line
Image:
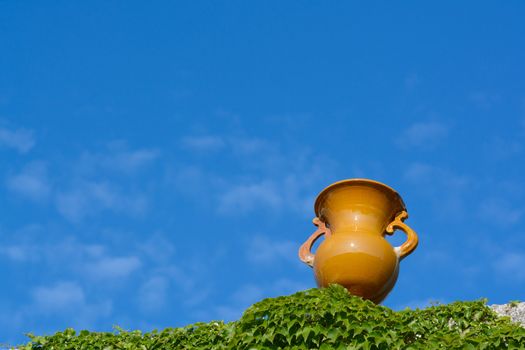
{"points": [[355, 215]]}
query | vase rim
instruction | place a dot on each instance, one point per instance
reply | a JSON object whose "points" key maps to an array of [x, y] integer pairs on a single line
{"points": [[354, 182]]}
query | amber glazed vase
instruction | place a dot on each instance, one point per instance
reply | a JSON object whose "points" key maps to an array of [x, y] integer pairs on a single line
{"points": [[354, 216]]}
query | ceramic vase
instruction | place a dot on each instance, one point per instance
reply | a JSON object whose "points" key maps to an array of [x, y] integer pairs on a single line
{"points": [[354, 216]]}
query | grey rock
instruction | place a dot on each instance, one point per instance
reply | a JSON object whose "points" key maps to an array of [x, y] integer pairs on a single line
{"points": [[516, 311]]}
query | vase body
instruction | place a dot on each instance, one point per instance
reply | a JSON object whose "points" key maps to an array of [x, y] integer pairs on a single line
{"points": [[355, 215]]}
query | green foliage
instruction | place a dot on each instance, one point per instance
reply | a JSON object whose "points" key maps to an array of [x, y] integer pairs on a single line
{"points": [[323, 319]]}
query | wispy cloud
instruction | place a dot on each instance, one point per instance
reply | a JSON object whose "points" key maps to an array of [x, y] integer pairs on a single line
{"points": [[268, 176], [511, 265], [15, 252], [89, 185], [117, 157], [68, 249], [249, 294], [110, 268], [129, 161], [153, 294], [499, 148], [245, 198], [192, 284], [59, 297], [250, 146], [240, 300], [94, 261], [500, 212], [265, 251], [22, 140], [192, 181], [427, 174], [203, 143], [88, 198], [445, 189], [275, 193], [422, 135], [63, 299], [483, 99], [32, 182], [237, 145], [158, 248], [99, 181]]}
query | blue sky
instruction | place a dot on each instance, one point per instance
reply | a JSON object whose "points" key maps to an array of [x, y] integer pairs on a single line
{"points": [[159, 161]]}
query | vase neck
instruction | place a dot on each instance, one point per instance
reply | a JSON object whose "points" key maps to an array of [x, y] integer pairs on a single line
{"points": [[357, 221]]}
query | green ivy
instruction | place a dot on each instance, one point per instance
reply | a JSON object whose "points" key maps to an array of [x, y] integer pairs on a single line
{"points": [[327, 318]]}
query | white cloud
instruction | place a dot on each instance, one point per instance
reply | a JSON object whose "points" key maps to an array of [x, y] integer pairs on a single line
{"points": [[230, 197], [511, 265], [66, 250], [437, 257], [444, 189], [152, 294], [190, 277], [32, 182], [158, 248], [422, 136], [248, 294], [88, 198], [483, 99], [226, 313], [94, 261], [86, 185], [240, 300], [81, 193], [419, 172], [499, 148], [16, 253], [266, 251], [267, 176], [434, 177], [113, 267], [185, 279], [117, 158], [197, 297], [251, 146], [500, 212], [131, 161], [290, 190], [191, 181], [245, 198], [285, 286], [245, 148], [21, 140], [191, 283], [66, 299], [98, 182], [203, 143], [59, 297]]}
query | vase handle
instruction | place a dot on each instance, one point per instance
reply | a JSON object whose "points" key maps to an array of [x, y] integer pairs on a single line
{"points": [[305, 252], [412, 240]]}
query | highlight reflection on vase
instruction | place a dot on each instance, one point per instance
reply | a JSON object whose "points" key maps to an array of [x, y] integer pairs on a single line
{"points": [[354, 216]]}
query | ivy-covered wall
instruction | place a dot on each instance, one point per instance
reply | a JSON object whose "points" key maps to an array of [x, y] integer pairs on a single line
{"points": [[327, 318]]}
